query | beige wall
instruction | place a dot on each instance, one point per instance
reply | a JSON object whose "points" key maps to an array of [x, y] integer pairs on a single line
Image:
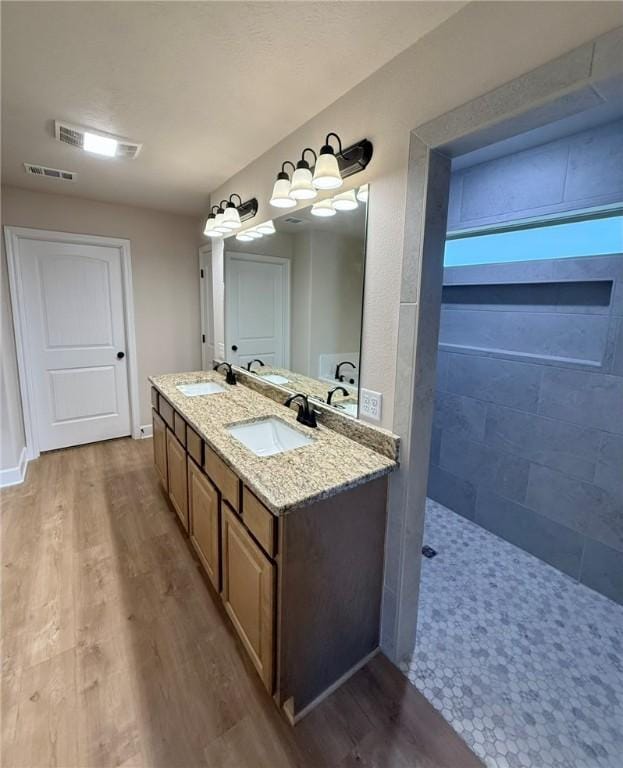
{"points": [[165, 280], [483, 46]]}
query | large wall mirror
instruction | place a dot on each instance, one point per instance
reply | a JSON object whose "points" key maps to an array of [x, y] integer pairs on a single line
{"points": [[294, 304]]}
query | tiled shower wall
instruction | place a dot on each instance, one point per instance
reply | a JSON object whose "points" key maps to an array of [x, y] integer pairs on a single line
{"points": [[528, 429]]}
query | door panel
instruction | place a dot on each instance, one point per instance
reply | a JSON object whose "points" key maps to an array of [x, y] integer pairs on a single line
{"points": [[203, 514], [257, 310], [249, 593], [160, 448], [177, 474], [76, 328]]}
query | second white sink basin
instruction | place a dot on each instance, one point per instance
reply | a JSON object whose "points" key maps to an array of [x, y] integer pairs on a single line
{"points": [[202, 388], [269, 436], [275, 378]]}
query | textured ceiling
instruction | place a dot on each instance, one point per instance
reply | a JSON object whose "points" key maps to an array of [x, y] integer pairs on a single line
{"points": [[207, 87]]}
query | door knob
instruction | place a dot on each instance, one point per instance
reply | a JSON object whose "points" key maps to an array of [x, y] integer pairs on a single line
{"points": [[120, 355], [234, 348]]}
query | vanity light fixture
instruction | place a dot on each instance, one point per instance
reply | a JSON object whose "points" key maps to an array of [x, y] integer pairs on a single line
{"points": [[254, 234], [209, 230], [324, 208], [267, 228], [244, 237], [219, 225], [302, 187], [231, 218], [345, 201], [281, 197], [362, 193], [327, 171]]}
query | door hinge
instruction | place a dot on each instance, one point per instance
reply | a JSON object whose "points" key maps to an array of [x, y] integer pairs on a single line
{"points": [[201, 273], [203, 338]]}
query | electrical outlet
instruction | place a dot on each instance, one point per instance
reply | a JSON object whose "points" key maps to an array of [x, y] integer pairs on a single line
{"points": [[370, 404]]}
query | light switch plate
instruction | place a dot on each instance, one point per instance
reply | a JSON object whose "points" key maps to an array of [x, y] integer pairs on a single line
{"points": [[370, 404]]}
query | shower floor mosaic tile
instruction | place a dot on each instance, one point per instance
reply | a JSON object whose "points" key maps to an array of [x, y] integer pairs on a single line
{"points": [[525, 663]]}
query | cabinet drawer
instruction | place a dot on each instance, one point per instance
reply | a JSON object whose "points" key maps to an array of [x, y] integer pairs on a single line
{"points": [[249, 593], [179, 428], [154, 397], [166, 411], [194, 445], [222, 476], [261, 522]]}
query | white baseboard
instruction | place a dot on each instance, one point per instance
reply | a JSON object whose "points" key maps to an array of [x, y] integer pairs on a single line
{"points": [[147, 430], [14, 475]]}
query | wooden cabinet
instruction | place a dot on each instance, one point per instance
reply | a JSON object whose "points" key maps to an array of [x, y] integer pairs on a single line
{"points": [[203, 515], [160, 448], [223, 478], [249, 593], [260, 521], [178, 489]]}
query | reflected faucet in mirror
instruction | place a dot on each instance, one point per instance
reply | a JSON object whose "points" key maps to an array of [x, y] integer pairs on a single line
{"points": [[256, 360], [340, 376], [331, 392]]}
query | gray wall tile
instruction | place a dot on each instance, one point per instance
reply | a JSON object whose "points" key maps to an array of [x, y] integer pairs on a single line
{"points": [[556, 544], [609, 469], [568, 448], [592, 399], [464, 416], [493, 380], [453, 492], [602, 570], [584, 507]]}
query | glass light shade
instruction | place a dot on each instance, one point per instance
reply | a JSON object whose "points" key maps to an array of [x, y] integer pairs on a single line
{"points": [[362, 193], [281, 195], [208, 226], [302, 187], [324, 208], [219, 226], [267, 228], [345, 201], [209, 230], [327, 173], [254, 234], [231, 218], [244, 237]]}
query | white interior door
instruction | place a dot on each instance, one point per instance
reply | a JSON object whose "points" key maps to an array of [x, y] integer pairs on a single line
{"points": [[76, 337], [257, 309]]}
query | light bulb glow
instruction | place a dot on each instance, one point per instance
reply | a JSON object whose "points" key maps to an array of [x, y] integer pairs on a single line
{"points": [[99, 145], [231, 218], [362, 193], [281, 195], [345, 201], [324, 209], [244, 237], [327, 173], [302, 187], [267, 228], [218, 224], [254, 234]]}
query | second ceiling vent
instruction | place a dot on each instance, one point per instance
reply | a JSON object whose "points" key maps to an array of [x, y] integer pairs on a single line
{"points": [[78, 136]]}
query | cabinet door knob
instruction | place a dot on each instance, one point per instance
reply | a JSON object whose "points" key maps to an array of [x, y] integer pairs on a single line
{"points": [[120, 355]]}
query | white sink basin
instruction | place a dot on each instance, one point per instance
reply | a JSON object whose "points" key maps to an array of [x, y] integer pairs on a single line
{"points": [[269, 436], [275, 378], [203, 388]]}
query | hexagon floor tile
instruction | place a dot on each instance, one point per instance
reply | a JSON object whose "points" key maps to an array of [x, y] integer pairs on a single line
{"points": [[525, 663]]}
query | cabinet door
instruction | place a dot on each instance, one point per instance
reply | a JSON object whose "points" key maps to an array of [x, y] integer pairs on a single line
{"points": [[249, 593], [160, 448], [203, 514], [178, 489]]}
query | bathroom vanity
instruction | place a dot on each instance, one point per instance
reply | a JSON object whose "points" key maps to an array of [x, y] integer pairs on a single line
{"points": [[288, 523]]}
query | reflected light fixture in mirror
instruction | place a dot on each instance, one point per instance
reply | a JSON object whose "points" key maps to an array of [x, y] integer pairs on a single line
{"points": [[244, 237], [324, 208], [267, 228], [345, 201], [362, 193], [302, 187], [281, 197], [327, 171], [254, 234]]}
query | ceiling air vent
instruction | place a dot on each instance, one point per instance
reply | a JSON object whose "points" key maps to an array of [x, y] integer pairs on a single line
{"points": [[51, 173], [74, 136]]}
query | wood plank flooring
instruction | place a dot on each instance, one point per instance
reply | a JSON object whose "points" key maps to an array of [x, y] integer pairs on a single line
{"points": [[115, 652]]}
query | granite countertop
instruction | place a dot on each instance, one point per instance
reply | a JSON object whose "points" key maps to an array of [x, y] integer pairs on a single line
{"points": [[332, 463], [297, 382]]}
